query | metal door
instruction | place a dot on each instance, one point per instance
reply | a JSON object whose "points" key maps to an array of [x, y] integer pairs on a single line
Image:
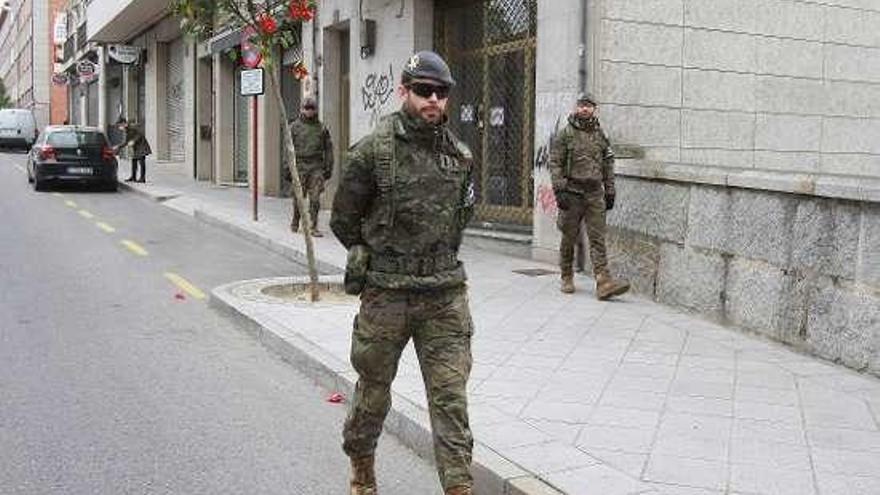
{"points": [[490, 46], [174, 101]]}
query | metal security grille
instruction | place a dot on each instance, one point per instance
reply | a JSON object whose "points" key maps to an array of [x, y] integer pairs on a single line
{"points": [[490, 46], [175, 101]]}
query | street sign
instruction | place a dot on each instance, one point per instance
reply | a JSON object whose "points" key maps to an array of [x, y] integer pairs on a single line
{"points": [[250, 53], [252, 82]]}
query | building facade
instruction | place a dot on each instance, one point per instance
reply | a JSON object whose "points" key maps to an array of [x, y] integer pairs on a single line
{"points": [[27, 55], [746, 131]]}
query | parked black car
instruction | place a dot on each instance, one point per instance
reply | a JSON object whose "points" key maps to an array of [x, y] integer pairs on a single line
{"points": [[72, 154]]}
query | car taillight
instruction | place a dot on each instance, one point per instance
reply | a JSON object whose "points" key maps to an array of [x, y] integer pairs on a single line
{"points": [[107, 153], [47, 153]]}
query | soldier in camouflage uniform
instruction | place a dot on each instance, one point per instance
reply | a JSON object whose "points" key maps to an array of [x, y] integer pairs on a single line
{"points": [[582, 169], [314, 159], [404, 200]]}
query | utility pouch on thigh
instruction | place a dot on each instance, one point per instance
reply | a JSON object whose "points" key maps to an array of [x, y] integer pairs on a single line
{"points": [[356, 269]]}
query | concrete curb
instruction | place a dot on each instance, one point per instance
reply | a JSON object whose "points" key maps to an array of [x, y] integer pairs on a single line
{"points": [[493, 473], [158, 195]]}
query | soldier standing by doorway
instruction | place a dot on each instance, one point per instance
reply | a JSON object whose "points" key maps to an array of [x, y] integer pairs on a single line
{"points": [[314, 159], [582, 168], [400, 210]]}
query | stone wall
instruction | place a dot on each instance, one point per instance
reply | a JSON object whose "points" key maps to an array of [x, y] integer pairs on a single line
{"points": [[801, 269], [789, 85]]}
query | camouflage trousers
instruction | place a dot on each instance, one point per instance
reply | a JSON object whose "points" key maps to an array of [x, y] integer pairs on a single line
{"points": [[588, 209], [312, 180], [440, 325]]}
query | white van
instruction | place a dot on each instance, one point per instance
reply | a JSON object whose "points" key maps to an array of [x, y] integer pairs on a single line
{"points": [[17, 128]]}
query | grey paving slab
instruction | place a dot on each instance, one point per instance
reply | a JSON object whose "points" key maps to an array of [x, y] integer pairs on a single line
{"points": [[587, 397], [765, 480], [597, 480], [695, 473]]}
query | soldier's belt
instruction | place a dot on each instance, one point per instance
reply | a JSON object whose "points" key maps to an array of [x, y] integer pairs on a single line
{"points": [[414, 265]]}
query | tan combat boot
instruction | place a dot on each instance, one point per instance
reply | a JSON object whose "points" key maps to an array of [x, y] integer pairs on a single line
{"points": [[460, 490], [607, 287], [363, 478], [567, 286]]}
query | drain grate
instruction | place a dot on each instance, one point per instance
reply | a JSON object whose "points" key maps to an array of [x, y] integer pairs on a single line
{"points": [[534, 272]]}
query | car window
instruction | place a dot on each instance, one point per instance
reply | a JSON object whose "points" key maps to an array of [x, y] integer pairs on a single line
{"points": [[65, 139]]}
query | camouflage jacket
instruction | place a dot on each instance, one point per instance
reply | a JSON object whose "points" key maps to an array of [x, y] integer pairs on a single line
{"points": [[581, 153], [135, 138], [314, 148], [407, 194]]}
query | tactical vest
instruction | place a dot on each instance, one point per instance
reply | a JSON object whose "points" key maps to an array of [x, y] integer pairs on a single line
{"points": [[585, 152], [424, 200]]}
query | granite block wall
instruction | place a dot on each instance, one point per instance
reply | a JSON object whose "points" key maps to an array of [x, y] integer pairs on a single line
{"points": [[801, 269]]}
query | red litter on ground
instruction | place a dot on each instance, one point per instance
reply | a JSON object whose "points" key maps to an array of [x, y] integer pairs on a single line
{"points": [[336, 398], [179, 296]]}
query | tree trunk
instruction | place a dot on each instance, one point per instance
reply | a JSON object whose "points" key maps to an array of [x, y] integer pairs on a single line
{"points": [[298, 195]]}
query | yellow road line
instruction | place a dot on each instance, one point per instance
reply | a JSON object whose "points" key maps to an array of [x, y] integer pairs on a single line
{"points": [[86, 214], [134, 247], [57, 194], [105, 227], [70, 203], [185, 286]]}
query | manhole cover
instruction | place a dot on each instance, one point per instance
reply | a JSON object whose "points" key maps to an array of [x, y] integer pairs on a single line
{"points": [[534, 272]]}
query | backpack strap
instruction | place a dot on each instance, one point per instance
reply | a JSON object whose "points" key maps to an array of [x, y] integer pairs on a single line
{"points": [[386, 166]]}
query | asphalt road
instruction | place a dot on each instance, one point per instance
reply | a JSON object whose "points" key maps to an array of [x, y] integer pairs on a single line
{"points": [[116, 378]]}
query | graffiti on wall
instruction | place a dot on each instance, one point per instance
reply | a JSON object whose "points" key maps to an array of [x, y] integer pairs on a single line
{"points": [[376, 92], [544, 197]]}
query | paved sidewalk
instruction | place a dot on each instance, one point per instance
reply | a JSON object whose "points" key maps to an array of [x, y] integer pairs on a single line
{"points": [[627, 397]]}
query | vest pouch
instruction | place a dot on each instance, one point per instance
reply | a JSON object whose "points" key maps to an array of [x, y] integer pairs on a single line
{"points": [[356, 267]]}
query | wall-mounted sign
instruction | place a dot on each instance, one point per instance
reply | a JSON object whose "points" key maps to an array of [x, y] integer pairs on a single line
{"points": [[60, 79], [252, 82], [124, 54], [467, 113], [496, 116], [85, 68], [60, 31]]}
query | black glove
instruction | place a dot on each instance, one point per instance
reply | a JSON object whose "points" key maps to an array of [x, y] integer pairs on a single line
{"points": [[563, 200], [609, 201]]}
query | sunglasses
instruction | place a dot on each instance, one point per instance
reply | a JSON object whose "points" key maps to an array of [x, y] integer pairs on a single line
{"points": [[425, 90]]}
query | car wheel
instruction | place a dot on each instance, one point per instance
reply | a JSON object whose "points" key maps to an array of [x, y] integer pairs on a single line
{"points": [[39, 185], [29, 176]]}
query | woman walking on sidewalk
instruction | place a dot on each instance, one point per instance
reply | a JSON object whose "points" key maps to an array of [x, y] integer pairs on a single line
{"points": [[140, 149]]}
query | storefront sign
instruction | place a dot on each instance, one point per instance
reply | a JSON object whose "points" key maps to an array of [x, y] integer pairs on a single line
{"points": [[252, 82], [60, 79], [85, 68], [124, 54]]}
